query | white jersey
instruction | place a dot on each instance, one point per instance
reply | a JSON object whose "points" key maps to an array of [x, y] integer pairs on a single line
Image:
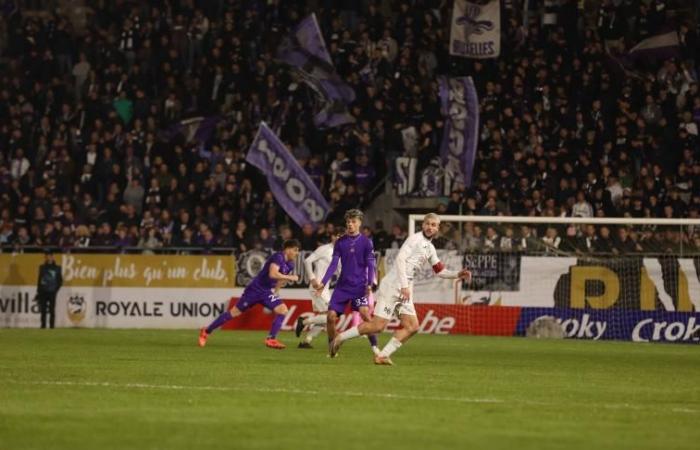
{"points": [[414, 252], [316, 265], [317, 262]]}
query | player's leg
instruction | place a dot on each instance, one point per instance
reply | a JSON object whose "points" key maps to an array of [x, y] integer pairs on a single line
{"points": [[336, 308], [224, 317], [409, 323], [314, 326], [316, 323], [331, 324], [366, 316], [386, 304], [374, 326], [280, 310]]}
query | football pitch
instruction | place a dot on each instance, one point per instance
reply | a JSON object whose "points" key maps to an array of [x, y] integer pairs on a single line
{"points": [[155, 389]]}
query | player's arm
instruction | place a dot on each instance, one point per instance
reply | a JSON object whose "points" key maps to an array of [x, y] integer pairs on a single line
{"points": [[371, 267], [445, 273], [401, 268], [275, 274], [331, 268], [309, 267]]}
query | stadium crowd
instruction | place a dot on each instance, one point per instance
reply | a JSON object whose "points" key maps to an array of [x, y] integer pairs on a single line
{"points": [[86, 158]]}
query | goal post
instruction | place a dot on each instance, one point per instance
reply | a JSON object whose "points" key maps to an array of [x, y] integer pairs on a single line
{"points": [[599, 278]]}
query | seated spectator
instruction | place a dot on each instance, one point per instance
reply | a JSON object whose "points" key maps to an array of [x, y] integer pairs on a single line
{"points": [[604, 243]]}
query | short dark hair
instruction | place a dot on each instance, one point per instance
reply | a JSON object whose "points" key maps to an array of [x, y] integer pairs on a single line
{"points": [[354, 214], [291, 243], [338, 230]]}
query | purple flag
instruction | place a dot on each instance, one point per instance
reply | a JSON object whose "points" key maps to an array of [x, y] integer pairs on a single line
{"points": [[306, 51], [647, 55], [460, 105], [289, 183], [195, 129]]}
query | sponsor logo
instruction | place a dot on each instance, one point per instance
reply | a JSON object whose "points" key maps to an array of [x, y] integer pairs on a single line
{"points": [[431, 323], [650, 330], [76, 307], [586, 328]]}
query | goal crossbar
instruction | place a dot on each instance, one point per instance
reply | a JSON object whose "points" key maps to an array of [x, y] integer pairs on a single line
{"points": [[413, 218]]}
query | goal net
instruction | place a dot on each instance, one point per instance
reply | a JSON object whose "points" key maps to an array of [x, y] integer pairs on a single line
{"points": [[629, 279]]}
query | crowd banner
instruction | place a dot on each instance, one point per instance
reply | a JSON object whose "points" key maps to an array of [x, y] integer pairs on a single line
{"points": [[305, 50], [460, 105], [289, 182], [475, 30]]}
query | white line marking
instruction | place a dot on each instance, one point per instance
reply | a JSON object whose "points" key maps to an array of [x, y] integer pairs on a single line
{"points": [[372, 395]]}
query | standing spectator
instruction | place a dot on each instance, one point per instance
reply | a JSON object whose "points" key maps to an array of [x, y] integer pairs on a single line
{"points": [[133, 195], [49, 282]]}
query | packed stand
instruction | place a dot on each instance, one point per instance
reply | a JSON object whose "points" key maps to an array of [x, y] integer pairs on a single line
{"points": [[83, 115]]}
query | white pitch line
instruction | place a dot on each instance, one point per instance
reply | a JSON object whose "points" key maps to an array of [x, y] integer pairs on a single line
{"points": [[176, 387], [372, 395]]}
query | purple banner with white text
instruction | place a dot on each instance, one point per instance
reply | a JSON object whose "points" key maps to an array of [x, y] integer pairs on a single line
{"points": [[460, 105], [288, 181]]}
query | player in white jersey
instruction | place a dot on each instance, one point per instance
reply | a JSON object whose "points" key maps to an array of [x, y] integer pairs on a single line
{"points": [[316, 265], [395, 294]]}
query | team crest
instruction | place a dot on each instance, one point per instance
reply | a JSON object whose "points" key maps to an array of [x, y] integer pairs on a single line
{"points": [[77, 307]]}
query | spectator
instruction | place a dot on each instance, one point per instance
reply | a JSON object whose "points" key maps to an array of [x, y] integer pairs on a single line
{"points": [[551, 240], [150, 241], [49, 283], [581, 208], [604, 243]]}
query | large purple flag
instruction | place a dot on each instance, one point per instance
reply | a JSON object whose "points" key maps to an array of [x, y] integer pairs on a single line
{"points": [[460, 105], [289, 183], [306, 51]]}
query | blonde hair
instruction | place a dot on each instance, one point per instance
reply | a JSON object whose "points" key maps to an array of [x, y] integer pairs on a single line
{"points": [[431, 216]]}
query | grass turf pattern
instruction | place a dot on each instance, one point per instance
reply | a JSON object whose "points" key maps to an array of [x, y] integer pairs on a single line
{"points": [[155, 389]]}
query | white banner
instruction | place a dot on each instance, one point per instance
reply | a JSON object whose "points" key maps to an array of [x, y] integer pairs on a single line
{"points": [[475, 30]]}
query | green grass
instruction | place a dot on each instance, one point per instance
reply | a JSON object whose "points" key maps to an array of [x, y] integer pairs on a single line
{"points": [[155, 389]]}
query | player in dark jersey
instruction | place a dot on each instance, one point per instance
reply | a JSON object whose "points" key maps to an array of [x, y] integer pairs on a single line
{"points": [[356, 253], [261, 291]]}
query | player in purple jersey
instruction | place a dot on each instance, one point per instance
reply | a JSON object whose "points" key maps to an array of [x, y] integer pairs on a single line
{"points": [[356, 254], [262, 291]]}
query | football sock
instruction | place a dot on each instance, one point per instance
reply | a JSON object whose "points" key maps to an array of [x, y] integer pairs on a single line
{"points": [[318, 319], [313, 332], [372, 340], [393, 345], [349, 334], [222, 319], [276, 325]]}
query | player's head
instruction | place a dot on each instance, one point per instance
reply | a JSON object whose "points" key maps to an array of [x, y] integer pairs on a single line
{"points": [[48, 255], [431, 225], [337, 232], [291, 248], [353, 220]]}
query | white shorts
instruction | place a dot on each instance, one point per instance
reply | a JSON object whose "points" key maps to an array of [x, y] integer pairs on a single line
{"points": [[319, 303], [389, 304]]}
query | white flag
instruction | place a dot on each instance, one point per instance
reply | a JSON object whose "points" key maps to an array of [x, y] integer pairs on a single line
{"points": [[476, 29]]}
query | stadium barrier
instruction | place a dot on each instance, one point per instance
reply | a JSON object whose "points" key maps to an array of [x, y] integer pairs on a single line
{"points": [[628, 298]]}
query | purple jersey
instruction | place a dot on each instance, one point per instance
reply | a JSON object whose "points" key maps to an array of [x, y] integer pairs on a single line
{"points": [[262, 283], [356, 255]]}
